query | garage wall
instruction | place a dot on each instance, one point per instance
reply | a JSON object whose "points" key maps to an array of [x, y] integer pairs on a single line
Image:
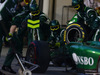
{"points": [[59, 4], [54, 10]]}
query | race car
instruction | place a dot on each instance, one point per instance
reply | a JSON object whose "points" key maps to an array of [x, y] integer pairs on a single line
{"points": [[86, 56]]}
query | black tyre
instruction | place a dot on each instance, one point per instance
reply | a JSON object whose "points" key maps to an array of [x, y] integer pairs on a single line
{"points": [[98, 69], [73, 32], [38, 53]]}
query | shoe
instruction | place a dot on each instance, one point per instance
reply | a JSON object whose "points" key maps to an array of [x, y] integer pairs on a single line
{"points": [[1, 73], [8, 69]]}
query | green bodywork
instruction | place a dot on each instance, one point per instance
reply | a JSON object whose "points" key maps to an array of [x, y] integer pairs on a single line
{"points": [[86, 55], [73, 20]]}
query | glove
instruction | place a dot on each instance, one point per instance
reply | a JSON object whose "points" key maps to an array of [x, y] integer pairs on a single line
{"points": [[57, 44], [9, 37]]}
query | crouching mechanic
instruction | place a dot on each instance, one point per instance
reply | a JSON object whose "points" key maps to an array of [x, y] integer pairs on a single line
{"points": [[44, 21], [56, 43], [58, 51], [86, 15]]}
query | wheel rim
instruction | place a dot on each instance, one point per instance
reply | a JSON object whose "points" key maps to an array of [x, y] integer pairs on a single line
{"points": [[73, 34], [27, 72], [32, 55]]}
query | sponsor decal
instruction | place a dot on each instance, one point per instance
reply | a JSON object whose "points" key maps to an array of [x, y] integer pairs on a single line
{"points": [[73, 20], [83, 60]]}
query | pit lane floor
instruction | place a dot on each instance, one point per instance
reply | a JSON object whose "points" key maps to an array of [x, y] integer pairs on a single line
{"points": [[50, 71]]}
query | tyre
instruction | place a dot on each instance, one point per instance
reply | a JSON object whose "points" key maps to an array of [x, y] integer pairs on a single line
{"points": [[98, 69], [73, 32], [38, 53], [97, 35]]}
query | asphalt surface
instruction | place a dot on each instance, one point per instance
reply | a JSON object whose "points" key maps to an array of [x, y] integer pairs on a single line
{"points": [[50, 71]]}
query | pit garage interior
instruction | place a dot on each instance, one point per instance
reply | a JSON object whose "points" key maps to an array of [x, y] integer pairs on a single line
{"points": [[60, 10]]}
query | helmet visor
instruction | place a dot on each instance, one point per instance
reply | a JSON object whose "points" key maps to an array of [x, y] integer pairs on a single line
{"points": [[77, 7], [35, 13], [54, 28]]}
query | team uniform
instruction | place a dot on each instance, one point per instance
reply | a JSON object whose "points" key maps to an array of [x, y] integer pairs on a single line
{"points": [[56, 44], [86, 16], [89, 17], [8, 10]]}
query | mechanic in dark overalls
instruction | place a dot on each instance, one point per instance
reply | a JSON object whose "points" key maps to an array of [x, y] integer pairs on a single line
{"points": [[8, 10], [55, 43], [37, 18], [86, 15], [58, 52]]}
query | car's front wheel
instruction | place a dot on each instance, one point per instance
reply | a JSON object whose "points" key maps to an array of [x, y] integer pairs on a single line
{"points": [[73, 32], [38, 53]]}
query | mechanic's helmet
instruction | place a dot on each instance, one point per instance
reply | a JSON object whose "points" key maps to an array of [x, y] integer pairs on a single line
{"points": [[34, 8], [27, 1], [55, 26], [77, 4]]}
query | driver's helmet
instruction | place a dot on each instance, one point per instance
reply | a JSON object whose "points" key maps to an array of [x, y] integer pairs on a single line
{"points": [[77, 4], [55, 26], [34, 9]]}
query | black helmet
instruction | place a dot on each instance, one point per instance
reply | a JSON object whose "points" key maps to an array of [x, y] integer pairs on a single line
{"points": [[77, 4], [34, 8], [54, 25]]}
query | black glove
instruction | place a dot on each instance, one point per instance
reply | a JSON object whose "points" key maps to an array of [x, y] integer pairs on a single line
{"points": [[9, 37]]}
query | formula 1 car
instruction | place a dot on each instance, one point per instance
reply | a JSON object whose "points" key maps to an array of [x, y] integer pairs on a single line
{"points": [[85, 55]]}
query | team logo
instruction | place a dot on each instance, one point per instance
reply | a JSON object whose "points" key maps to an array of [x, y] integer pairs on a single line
{"points": [[83, 60]]}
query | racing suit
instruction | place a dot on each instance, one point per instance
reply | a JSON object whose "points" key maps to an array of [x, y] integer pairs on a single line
{"points": [[44, 31], [88, 17], [58, 52], [44, 34], [18, 37], [57, 48], [8, 9]]}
